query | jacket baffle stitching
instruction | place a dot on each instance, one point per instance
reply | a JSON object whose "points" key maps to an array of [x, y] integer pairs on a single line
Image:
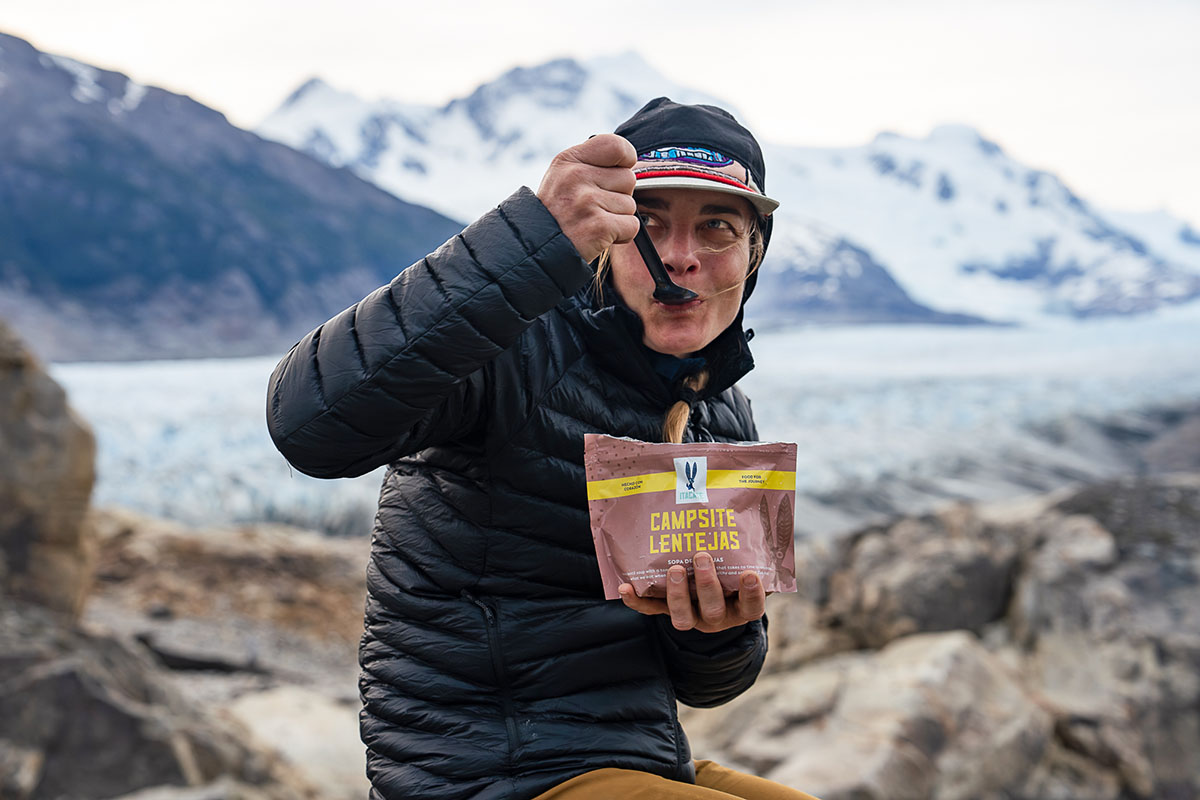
{"points": [[492, 667]]}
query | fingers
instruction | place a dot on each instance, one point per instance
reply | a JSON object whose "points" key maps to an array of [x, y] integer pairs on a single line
{"points": [[679, 599], [588, 189], [624, 227], [710, 610], [618, 203], [710, 597], [752, 600], [643, 605]]}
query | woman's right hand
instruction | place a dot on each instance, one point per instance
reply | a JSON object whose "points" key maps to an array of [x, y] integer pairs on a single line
{"points": [[707, 609], [588, 189]]}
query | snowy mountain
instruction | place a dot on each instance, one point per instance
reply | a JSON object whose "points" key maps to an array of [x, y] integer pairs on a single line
{"points": [[1170, 237], [963, 226], [815, 275], [883, 232], [467, 156], [138, 223]]}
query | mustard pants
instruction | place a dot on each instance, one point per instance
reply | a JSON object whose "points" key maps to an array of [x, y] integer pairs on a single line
{"points": [[713, 782]]}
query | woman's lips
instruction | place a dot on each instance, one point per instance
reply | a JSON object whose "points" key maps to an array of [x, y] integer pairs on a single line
{"points": [[679, 307]]}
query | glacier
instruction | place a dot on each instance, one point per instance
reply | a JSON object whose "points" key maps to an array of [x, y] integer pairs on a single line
{"points": [[867, 404]]}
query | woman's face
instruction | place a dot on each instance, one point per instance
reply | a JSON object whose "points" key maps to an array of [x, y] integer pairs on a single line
{"points": [[703, 238]]}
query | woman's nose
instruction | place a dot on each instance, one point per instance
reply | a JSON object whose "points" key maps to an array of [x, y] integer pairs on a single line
{"points": [[679, 250]]}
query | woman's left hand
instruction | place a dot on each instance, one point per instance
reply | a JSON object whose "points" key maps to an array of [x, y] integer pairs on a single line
{"points": [[711, 611]]}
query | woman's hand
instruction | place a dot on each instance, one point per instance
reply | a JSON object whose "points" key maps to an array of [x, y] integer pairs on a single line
{"points": [[711, 611], [588, 189]]}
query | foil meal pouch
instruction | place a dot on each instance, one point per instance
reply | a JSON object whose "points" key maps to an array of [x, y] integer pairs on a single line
{"points": [[654, 505]]}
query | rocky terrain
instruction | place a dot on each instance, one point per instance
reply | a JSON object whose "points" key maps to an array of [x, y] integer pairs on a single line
{"points": [[87, 712], [258, 625], [46, 477], [1047, 647]]}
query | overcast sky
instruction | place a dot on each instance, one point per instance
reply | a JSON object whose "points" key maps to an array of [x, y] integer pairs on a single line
{"points": [[1105, 94]]}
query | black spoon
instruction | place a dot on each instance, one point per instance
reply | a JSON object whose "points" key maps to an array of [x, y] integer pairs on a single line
{"points": [[666, 291]]}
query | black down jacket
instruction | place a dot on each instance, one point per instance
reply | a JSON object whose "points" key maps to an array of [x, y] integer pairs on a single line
{"points": [[492, 665]]}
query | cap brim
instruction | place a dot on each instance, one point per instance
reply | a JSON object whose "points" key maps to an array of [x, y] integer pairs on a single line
{"points": [[762, 204]]}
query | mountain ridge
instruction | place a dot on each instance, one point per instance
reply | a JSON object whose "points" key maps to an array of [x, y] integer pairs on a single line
{"points": [[138, 223], [907, 204]]}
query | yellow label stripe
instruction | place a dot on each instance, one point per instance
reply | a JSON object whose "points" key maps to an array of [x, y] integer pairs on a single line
{"points": [[753, 478], [717, 479], [634, 484]]}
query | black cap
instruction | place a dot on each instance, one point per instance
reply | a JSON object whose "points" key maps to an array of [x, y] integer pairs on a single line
{"points": [[699, 147]]}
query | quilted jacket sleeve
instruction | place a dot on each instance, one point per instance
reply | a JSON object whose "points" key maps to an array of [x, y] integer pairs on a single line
{"points": [[399, 371], [709, 669]]}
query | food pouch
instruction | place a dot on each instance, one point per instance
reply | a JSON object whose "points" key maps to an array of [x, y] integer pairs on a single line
{"points": [[655, 505]]}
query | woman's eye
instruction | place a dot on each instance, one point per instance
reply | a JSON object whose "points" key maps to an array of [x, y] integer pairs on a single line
{"points": [[719, 226]]}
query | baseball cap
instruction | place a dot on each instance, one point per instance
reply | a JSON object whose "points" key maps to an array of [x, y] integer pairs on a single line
{"points": [[696, 147]]}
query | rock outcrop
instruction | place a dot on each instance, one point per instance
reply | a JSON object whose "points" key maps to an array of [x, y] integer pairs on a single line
{"points": [[929, 715], [47, 457], [1033, 649], [937, 573], [213, 664], [84, 716], [1043, 648], [257, 624], [88, 712], [1039, 649]]}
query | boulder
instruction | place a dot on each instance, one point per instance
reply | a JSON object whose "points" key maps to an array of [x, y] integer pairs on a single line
{"points": [[235, 609], [259, 623], [939, 572], [1072, 669], [85, 716], [931, 715], [83, 713], [1107, 618], [315, 736], [295, 579], [47, 457]]}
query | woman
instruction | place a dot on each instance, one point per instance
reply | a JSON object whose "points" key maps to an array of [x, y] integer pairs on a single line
{"points": [[492, 666]]}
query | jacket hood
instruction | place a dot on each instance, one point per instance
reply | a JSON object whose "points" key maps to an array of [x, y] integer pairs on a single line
{"points": [[614, 334]]}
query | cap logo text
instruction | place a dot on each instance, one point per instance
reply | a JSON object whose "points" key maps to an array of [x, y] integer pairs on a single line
{"points": [[687, 155]]}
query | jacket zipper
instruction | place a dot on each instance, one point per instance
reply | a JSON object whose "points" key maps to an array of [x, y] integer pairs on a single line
{"points": [[493, 629]]}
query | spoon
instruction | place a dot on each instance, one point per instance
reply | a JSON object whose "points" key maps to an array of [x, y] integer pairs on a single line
{"points": [[666, 291]]}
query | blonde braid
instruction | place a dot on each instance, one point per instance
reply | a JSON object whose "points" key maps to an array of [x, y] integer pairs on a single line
{"points": [[676, 420]]}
